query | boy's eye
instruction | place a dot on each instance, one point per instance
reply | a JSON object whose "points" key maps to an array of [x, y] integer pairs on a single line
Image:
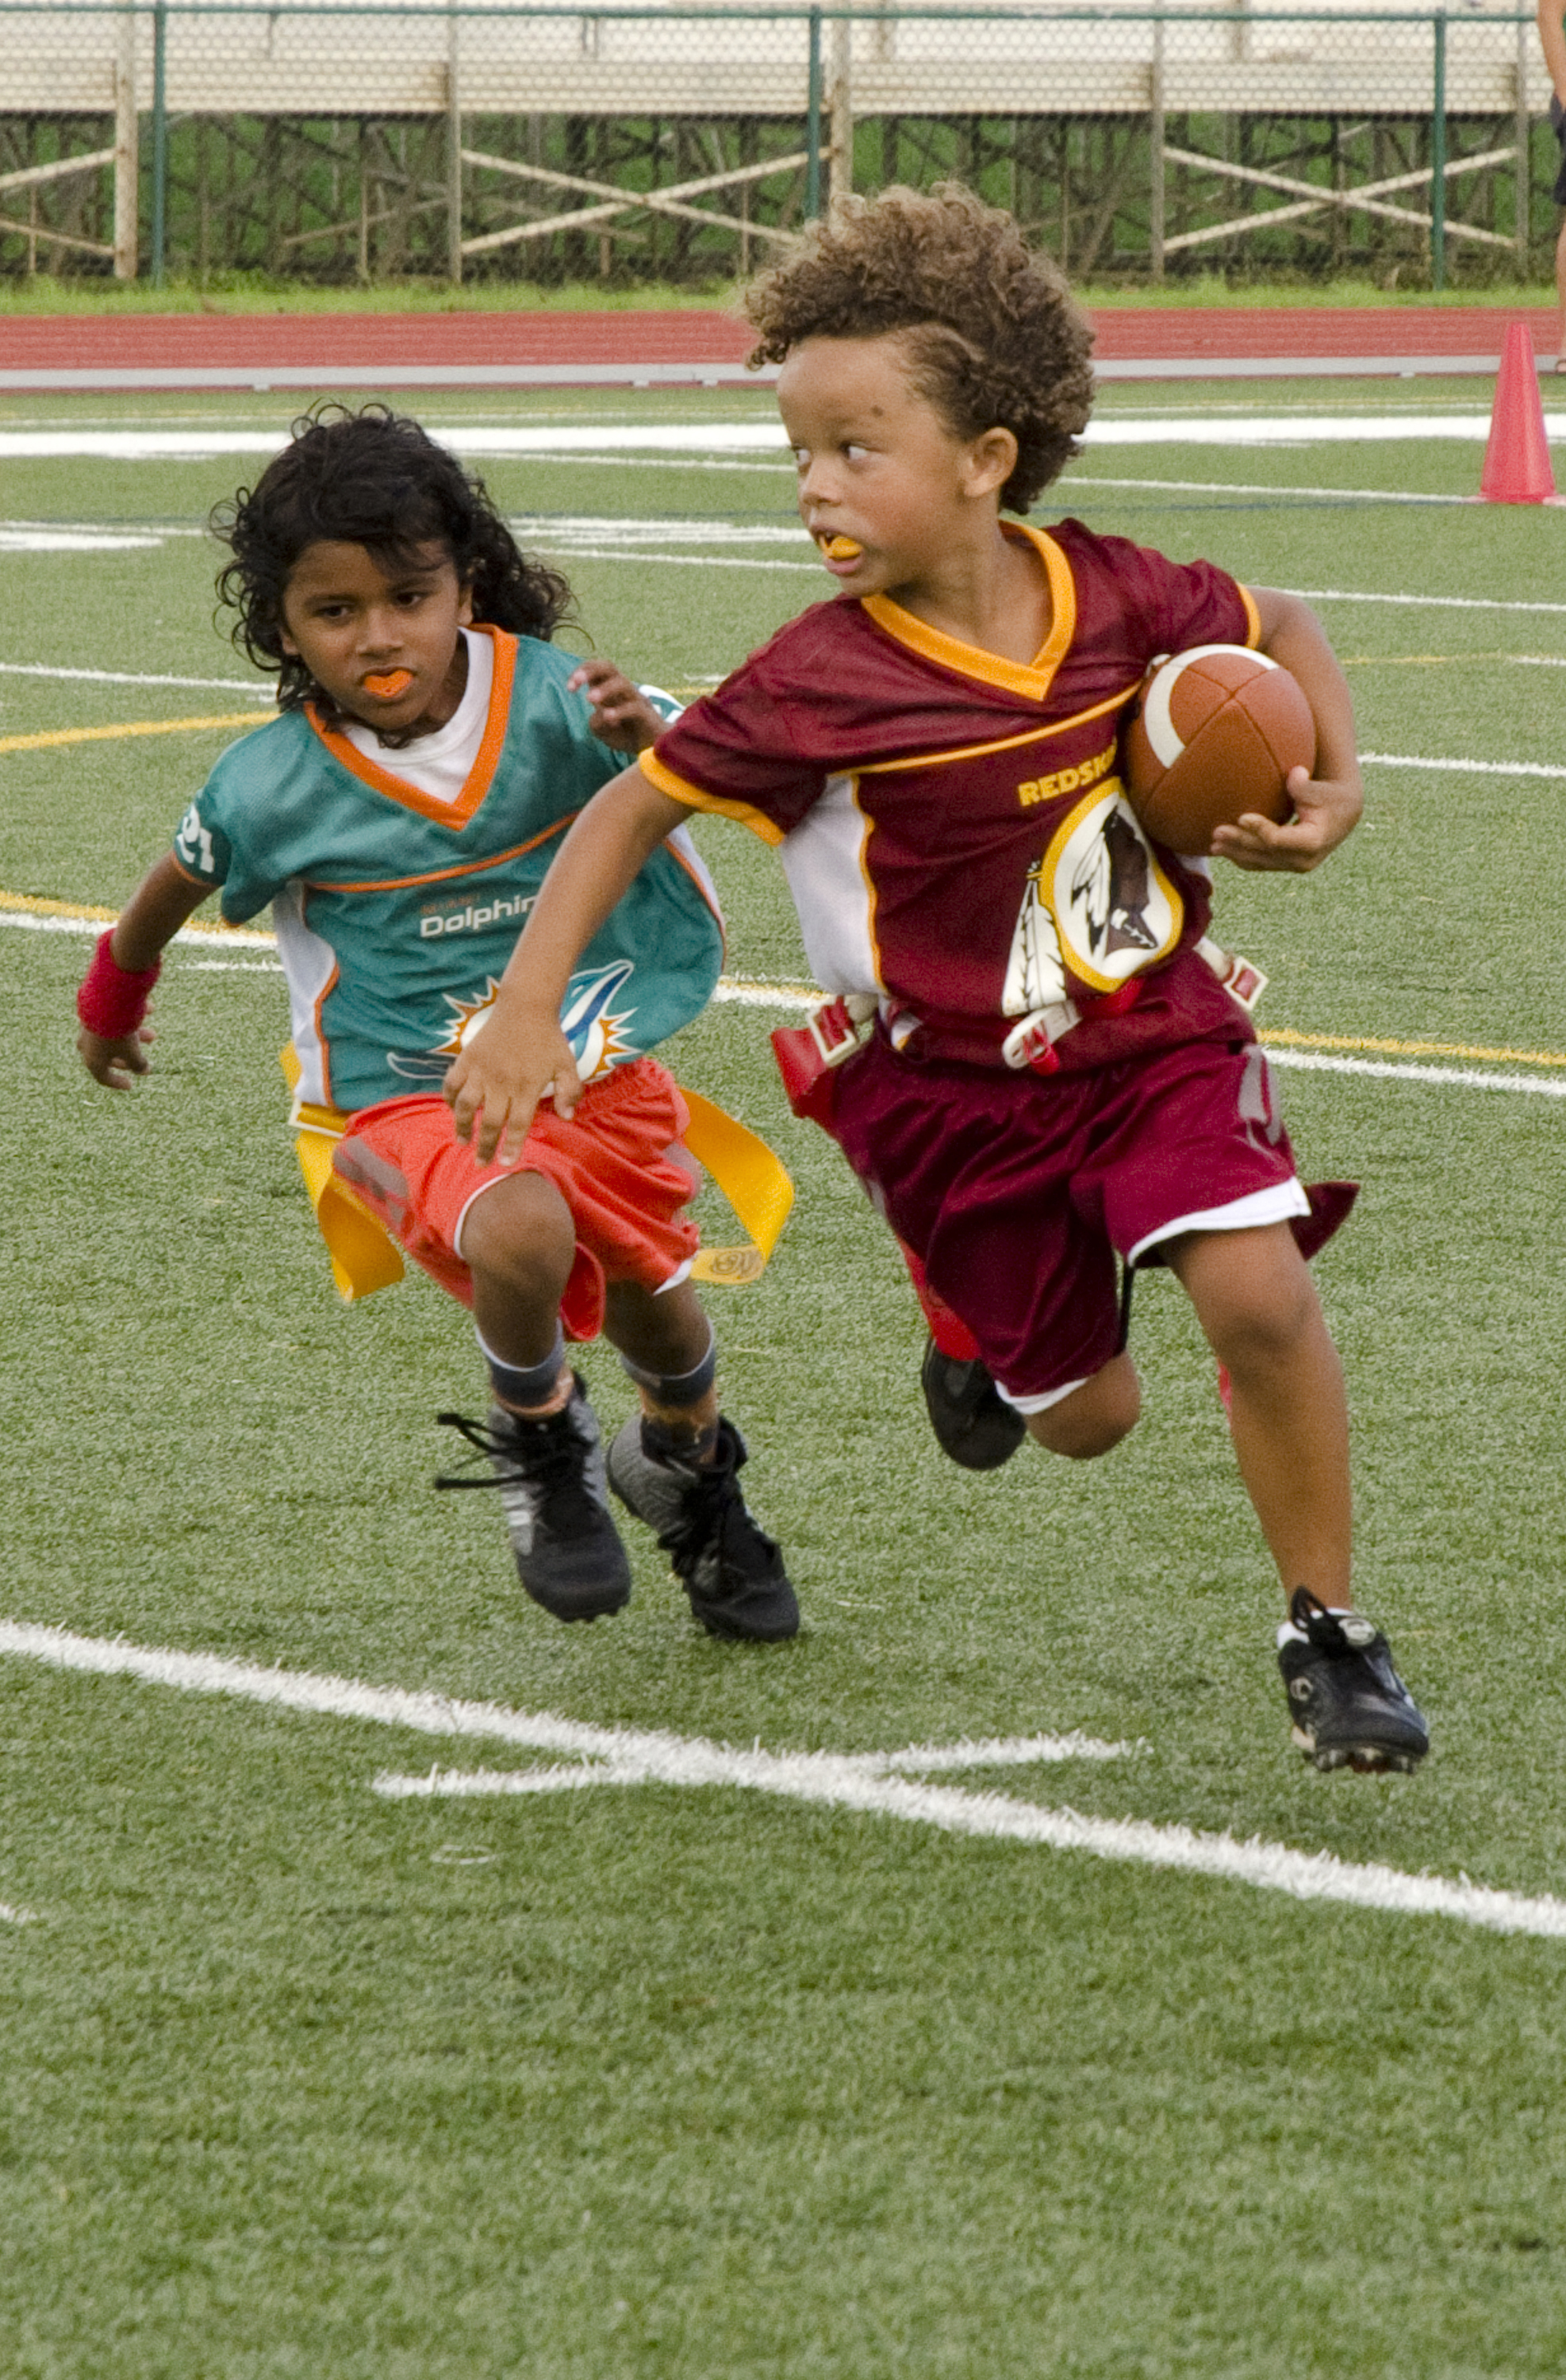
{"points": [[802, 458], [856, 454]]}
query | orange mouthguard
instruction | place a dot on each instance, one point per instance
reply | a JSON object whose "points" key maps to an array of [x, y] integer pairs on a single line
{"points": [[395, 682], [842, 549]]}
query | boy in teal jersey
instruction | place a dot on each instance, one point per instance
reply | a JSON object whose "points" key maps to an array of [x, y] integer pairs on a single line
{"points": [[399, 816]]}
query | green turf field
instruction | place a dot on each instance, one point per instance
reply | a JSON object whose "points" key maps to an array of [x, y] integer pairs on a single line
{"points": [[658, 2078]]}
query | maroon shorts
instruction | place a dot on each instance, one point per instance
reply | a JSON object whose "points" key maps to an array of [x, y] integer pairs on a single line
{"points": [[1019, 1191]]}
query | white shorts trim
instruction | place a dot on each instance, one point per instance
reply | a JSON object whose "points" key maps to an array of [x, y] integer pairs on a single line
{"points": [[1047, 1398], [477, 1191], [1274, 1205]]}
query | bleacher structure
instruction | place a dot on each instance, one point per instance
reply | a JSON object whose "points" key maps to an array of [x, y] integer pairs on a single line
{"points": [[347, 140]]}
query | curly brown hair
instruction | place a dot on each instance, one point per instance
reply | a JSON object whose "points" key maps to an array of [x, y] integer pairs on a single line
{"points": [[994, 338]]}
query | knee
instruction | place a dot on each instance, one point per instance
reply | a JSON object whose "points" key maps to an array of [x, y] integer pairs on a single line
{"points": [[1095, 1417], [1263, 1332], [520, 1234]]}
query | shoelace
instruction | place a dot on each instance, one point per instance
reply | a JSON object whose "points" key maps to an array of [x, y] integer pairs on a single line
{"points": [[552, 1461]]}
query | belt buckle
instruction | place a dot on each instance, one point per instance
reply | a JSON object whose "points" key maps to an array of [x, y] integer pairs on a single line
{"points": [[835, 1033], [1031, 1045]]}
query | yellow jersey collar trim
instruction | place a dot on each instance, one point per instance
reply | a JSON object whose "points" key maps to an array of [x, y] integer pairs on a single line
{"points": [[1033, 678]]}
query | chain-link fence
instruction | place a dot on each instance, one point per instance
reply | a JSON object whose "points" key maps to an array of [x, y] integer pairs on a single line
{"points": [[335, 142]]}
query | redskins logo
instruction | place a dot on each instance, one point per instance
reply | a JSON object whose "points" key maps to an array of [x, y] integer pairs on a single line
{"points": [[1112, 908]]}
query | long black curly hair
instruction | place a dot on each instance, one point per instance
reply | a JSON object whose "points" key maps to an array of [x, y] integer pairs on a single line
{"points": [[373, 478]]}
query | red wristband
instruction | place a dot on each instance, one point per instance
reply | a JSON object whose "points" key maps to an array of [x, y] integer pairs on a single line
{"points": [[113, 1000]]}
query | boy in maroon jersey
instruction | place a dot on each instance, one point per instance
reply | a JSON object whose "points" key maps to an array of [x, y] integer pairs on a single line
{"points": [[1056, 1078]]}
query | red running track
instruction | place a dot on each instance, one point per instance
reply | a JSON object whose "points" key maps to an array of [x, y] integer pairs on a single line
{"points": [[547, 347]]}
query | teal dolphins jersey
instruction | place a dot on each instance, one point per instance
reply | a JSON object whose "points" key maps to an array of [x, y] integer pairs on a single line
{"points": [[397, 913]]}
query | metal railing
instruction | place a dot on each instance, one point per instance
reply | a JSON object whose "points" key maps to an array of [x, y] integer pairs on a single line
{"points": [[339, 138]]}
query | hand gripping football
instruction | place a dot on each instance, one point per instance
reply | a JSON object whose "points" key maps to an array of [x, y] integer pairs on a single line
{"points": [[1214, 735]]}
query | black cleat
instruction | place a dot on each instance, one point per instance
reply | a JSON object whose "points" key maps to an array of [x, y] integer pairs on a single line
{"points": [[1350, 1707], [730, 1568], [550, 1474], [975, 1425]]}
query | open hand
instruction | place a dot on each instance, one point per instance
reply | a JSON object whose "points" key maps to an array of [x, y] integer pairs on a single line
{"points": [[494, 1084], [622, 717], [1326, 813]]}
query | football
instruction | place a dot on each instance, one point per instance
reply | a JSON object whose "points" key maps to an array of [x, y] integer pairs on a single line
{"points": [[1214, 735]]}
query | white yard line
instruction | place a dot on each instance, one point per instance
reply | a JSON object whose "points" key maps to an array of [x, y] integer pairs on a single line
{"points": [[841, 1782], [262, 688], [10, 1917], [1463, 768], [1077, 482], [1467, 1078], [799, 999]]}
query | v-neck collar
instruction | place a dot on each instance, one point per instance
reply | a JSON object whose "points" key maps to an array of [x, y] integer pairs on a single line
{"points": [[1030, 678], [480, 777]]}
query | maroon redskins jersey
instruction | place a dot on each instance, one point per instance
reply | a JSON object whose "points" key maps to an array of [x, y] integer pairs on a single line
{"points": [[954, 826]]}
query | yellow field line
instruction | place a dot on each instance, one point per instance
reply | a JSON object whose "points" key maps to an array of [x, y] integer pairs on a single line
{"points": [[32, 904], [1283, 1035], [126, 727], [1288, 1040]]}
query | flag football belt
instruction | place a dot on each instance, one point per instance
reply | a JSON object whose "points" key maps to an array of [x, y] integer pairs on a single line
{"points": [[808, 1055], [365, 1257]]}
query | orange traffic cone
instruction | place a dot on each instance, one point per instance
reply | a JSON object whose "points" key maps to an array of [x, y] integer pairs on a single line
{"points": [[1517, 458]]}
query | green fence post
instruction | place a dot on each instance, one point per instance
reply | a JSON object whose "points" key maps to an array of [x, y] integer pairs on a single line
{"points": [[1438, 154], [813, 123], [160, 140]]}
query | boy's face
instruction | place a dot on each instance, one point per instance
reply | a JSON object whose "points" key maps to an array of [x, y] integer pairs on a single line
{"points": [[382, 641], [881, 470]]}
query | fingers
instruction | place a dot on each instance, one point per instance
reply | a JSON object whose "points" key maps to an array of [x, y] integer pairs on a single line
{"points": [[115, 1063], [623, 718], [1325, 812], [493, 1108]]}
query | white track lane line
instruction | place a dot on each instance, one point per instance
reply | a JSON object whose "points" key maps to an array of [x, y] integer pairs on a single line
{"points": [[761, 435], [625, 1756]]}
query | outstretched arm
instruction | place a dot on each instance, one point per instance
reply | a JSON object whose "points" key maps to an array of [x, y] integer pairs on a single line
{"points": [[1327, 806], [521, 1055], [153, 916]]}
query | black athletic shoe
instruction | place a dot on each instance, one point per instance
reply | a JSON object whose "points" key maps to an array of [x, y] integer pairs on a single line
{"points": [[550, 1474], [975, 1425], [1349, 1706], [730, 1570]]}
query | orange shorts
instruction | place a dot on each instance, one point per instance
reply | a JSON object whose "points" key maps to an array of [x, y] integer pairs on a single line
{"points": [[618, 1164]]}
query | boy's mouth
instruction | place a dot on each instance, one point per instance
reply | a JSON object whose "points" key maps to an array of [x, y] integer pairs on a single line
{"points": [[387, 686], [842, 555]]}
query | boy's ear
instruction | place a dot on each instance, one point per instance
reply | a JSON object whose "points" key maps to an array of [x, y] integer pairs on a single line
{"points": [[992, 459], [465, 605]]}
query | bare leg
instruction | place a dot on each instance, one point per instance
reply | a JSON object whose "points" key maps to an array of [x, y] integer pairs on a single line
{"points": [[518, 1243], [1095, 1416], [668, 1333], [1258, 1305]]}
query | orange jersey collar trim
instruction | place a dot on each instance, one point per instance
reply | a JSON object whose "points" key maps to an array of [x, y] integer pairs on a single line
{"points": [[1030, 678], [480, 777]]}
